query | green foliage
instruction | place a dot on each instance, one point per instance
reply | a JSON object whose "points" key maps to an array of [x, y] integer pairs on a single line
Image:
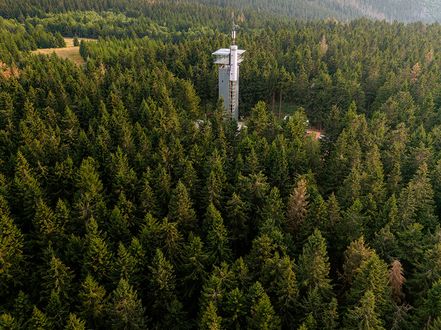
{"points": [[128, 199], [11, 252], [181, 210], [262, 315], [93, 301], [364, 315], [126, 311]]}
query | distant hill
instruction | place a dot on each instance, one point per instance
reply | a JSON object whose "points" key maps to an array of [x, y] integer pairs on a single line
{"points": [[390, 10], [400, 10]]}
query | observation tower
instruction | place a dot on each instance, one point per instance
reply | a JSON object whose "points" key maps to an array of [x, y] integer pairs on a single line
{"points": [[228, 60]]}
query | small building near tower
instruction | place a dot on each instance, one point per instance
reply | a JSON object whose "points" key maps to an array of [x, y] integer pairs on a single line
{"points": [[228, 60]]}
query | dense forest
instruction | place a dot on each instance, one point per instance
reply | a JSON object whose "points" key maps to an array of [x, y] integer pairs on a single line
{"points": [[400, 10], [129, 201]]}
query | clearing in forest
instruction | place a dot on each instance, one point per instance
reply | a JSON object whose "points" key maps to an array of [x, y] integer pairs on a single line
{"points": [[69, 52]]}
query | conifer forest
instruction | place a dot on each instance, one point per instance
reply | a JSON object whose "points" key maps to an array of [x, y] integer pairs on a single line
{"points": [[129, 201]]}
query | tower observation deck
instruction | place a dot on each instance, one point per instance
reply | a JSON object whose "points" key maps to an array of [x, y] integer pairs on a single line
{"points": [[228, 60]]}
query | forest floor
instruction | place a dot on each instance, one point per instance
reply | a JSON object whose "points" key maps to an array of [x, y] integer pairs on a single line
{"points": [[69, 52]]}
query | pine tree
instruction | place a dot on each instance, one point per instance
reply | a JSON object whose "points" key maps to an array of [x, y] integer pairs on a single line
{"points": [[56, 310], [272, 213], [126, 311], [364, 316], [193, 266], [125, 265], [427, 271], [216, 287], [260, 118], [26, 187], [237, 222], [314, 265], [181, 209], [22, 308], [297, 207], [148, 201], [170, 239], [374, 178], [210, 320], [278, 163], [356, 253], [39, 320], [162, 187], [216, 179], [314, 282], [352, 224], [47, 224], [97, 257], [7, 322], [234, 307], [89, 188], [262, 315], [11, 252], [397, 279], [93, 301], [217, 236], [123, 177], [280, 278], [416, 200], [74, 323], [58, 279], [166, 308], [119, 226], [372, 275]]}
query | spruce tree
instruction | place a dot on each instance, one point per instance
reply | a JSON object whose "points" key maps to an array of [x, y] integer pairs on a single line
{"points": [[74, 323], [7, 322], [297, 207], [237, 222], [11, 252], [210, 320], [218, 246], [181, 209], [165, 306], [261, 315], [364, 316], [126, 310], [38, 320], [193, 266], [93, 302], [97, 257]]}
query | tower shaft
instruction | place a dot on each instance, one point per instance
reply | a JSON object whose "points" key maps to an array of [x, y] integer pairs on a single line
{"points": [[229, 60]]}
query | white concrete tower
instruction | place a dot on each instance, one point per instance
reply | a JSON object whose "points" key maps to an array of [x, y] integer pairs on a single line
{"points": [[229, 60]]}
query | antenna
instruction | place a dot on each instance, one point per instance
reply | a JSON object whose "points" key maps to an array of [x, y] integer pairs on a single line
{"points": [[234, 29]]}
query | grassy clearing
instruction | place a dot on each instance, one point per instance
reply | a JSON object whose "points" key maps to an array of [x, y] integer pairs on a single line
{"points": [[69, 52]]}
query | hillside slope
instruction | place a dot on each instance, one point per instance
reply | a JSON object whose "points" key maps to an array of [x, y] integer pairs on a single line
{"points": [[400, 10]]}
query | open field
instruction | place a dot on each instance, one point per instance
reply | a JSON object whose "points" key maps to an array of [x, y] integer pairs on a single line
{"points": [[69, 52]]}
